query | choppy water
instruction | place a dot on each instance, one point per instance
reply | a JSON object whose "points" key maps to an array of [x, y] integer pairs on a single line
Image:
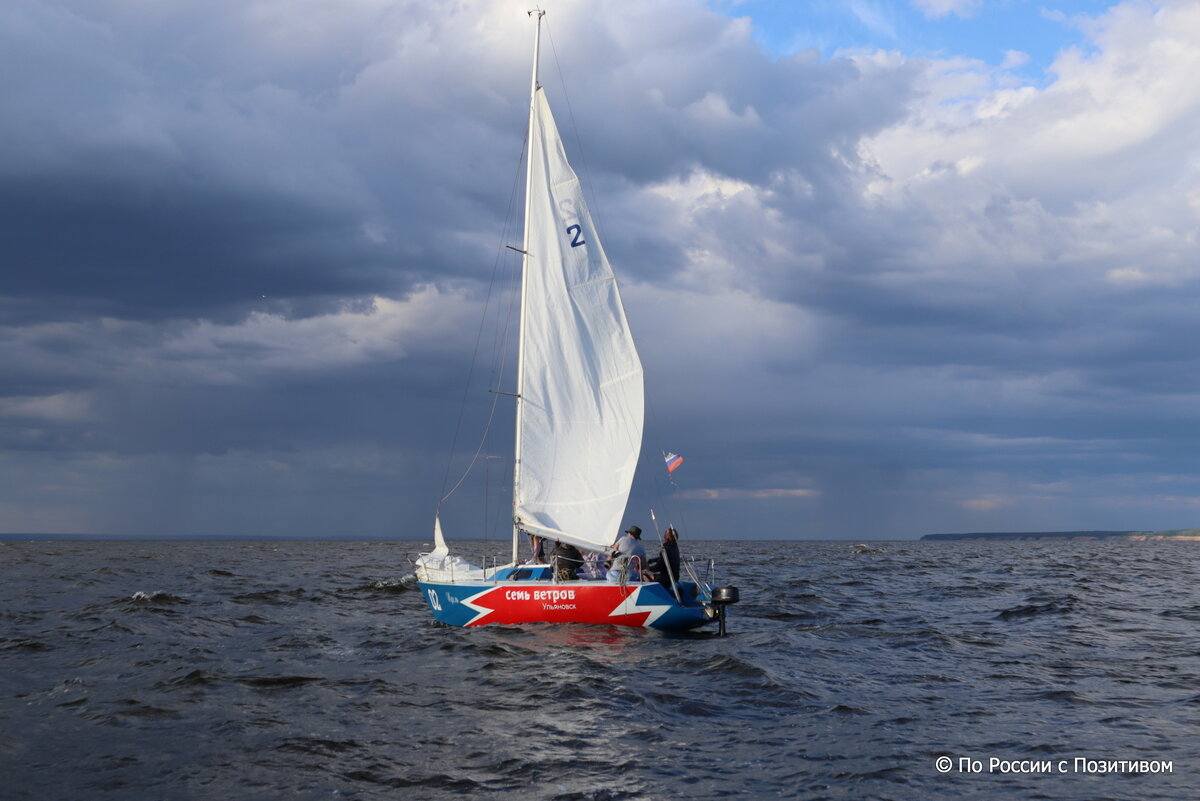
{"points": [[196, 670]]}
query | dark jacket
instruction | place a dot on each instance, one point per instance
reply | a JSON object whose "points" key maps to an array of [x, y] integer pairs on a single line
{"points": [[565, 559], [668, 556]]}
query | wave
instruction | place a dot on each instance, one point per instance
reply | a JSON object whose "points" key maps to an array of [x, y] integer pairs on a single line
{"points": [[158, 598], [405, 583], [280, 597], [317, 745], [25, 644], [277, 682], [1038, 606]]}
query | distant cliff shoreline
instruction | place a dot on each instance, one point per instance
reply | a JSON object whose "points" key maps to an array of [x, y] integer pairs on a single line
{"points": [[1176, 534]]}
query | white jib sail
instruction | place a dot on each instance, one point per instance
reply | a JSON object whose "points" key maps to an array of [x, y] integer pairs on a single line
{"points": [[439, 565], [581, 395]]}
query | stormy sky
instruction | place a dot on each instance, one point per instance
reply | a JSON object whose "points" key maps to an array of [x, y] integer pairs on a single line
{"points": [[893, 268]]}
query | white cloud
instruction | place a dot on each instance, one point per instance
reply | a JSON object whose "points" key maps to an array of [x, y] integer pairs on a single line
{"points": [[874, 17], [989, 503], [1135, 88], [726, 493], [1093, 169], [381, 329], [1014, 59], [262, 348], [61, 407], [942, 8]]}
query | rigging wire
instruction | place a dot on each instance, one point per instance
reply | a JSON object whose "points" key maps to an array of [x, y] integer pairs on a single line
{"points": [[502, 339], [487, 430], [508, 220]]}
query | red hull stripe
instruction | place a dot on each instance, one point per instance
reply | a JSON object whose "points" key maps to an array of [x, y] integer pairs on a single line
{"points": [[562, 603], [519, 602]]}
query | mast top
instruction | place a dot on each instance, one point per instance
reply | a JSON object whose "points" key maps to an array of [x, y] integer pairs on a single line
{"points": [[536, 14]]}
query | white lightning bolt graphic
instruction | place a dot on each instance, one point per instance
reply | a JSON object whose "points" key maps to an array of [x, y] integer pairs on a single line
{"points": [[629, 606], [480, 611]]}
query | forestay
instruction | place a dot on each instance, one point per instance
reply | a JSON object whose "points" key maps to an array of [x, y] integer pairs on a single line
{"points": [[581, 392]]}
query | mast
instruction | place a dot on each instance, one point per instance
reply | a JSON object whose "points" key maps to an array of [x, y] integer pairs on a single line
{"points": [[537, 14]]}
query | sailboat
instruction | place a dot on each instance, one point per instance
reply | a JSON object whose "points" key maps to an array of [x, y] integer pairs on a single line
{"points": [[579, 416]]}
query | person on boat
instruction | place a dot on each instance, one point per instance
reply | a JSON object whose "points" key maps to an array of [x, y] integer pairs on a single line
{"points": [[593, 567], [565, 559], [630, 556], [665, 566], [538, 547]]}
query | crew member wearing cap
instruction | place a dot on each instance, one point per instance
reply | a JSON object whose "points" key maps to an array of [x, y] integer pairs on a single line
{"points": [[631, 554]]}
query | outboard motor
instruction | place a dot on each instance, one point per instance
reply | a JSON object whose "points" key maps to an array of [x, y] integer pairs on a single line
{"points": [[721, 598]]}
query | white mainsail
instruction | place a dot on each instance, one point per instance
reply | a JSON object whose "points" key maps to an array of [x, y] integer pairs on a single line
{"points": [[581, 395]]}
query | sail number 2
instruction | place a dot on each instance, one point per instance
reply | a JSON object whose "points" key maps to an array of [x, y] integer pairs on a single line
{"points": [[566, 208], [578, 239]]}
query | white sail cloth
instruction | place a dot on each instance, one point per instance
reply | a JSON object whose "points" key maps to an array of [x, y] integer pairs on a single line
{"points": [[439, 566], [581, 396]]}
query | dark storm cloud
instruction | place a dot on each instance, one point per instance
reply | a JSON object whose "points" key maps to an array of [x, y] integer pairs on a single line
{"points": [[168, 249], [183, 163]]}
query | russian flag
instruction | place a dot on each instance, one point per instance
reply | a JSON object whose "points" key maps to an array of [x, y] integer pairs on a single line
{"points": [[673, 461]]}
